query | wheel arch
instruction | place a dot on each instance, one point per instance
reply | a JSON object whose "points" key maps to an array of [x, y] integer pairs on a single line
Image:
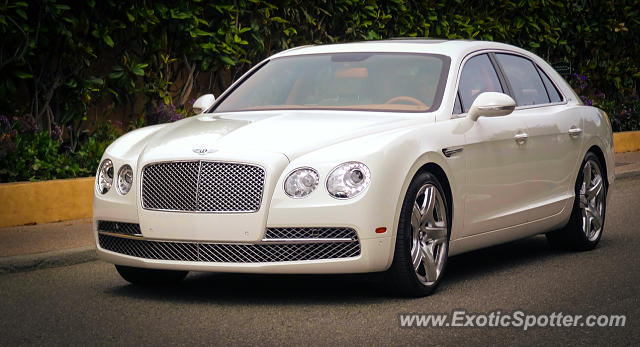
{"points": [[437, 165], [597, 151]]}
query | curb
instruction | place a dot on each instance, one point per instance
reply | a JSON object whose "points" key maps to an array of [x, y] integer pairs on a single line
{"points": [[626, 141], [628, 174], [46, 201], [30, 262]]}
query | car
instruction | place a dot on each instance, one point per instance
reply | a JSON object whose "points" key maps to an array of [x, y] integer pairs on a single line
{"points": [[384, 156]]}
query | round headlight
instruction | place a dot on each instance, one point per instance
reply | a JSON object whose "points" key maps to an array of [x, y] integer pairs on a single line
{"points": [[104, 179], [125, 179], [301, 182], [348, 180]]}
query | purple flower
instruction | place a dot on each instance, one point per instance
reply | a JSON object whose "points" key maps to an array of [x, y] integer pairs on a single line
{"points": [[29, 124], [56, 133], [4, 122], [166, 113], [586, 100]]}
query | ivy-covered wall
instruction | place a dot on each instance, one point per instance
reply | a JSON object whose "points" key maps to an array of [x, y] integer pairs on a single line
{"points": [[67, 66]]}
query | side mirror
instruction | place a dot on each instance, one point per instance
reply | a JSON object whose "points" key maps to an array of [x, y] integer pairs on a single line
{"points": [[491, 104], [203, 103]]}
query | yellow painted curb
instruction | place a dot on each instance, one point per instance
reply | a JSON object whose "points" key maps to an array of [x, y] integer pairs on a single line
{"points": [[626, 141], [46, 201]]}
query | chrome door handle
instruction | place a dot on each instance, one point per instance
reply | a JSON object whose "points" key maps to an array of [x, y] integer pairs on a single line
{"points": [[575, 131], [521, 138]]}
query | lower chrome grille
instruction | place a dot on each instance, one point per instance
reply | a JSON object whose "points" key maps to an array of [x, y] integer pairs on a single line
{"points": [[119, 227], [309, 233], [229, 252]]}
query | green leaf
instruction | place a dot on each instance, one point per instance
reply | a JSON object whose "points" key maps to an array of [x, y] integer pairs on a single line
{"points": [[227, 60], [138, 69], [23, 75], [21, 13], [116, 75], [199, 32], [107, 40]]}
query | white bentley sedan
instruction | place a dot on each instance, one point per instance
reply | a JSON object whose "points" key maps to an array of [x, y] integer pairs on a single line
{"points": [[386, 156]]}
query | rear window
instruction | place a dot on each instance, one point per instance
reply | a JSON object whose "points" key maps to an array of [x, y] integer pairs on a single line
{"points": [[552, 91], [524, 80], [355, 81]]}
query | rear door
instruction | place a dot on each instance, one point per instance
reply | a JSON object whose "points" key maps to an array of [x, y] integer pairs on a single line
{"points": [[553, 135]]}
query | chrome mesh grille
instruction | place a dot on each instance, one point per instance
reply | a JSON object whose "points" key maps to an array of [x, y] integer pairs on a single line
{"points": [[309, 233], [119, 227], [202, 186], [228, 252]]}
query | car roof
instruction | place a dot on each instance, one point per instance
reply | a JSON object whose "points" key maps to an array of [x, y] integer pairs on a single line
{"points": [[453, 48]]}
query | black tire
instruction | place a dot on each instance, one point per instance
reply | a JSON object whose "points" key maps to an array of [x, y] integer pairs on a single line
{"points": [[149, 277], [573, 236], [402, 278]]}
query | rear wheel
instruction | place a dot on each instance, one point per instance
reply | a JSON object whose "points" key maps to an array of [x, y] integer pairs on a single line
{"points": [[586, 224], [150, 276], [422, 242]]}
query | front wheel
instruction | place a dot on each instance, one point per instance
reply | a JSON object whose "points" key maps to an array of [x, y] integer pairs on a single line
{"points": [[422, 241], [141, 276], [586, 224]]}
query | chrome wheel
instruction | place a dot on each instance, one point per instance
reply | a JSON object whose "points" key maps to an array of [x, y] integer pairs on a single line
{"points": [[429, 243], [592, 195]]}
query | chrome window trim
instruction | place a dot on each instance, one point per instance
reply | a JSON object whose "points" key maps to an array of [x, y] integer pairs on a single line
{"points": [[564, 98], [488, 51]]}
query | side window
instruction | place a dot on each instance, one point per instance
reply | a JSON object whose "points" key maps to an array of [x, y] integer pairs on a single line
{"points": [[457, 109], [478, 76], [553, 93], [524, 79]]}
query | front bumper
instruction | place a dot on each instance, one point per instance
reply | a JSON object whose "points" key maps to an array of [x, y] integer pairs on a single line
{"points": [[367, 255]]}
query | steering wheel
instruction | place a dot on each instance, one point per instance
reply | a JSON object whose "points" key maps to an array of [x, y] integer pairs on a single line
{"points": [[405, 100]]}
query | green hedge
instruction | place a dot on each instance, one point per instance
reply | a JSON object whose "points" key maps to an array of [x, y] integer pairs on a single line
{"points": [[71, 65]]}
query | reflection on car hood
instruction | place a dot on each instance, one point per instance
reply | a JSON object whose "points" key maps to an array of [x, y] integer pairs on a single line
{"points": [[291, 132]]}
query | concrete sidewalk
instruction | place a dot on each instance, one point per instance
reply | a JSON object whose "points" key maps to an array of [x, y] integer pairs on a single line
{"points": [[30, 247]]}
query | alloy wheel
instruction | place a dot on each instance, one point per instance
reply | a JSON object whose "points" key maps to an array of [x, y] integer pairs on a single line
{"points": [[592, 200], [429, 234]]}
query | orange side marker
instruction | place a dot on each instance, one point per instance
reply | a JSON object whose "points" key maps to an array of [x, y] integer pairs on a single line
{"points": [[381, 230]]}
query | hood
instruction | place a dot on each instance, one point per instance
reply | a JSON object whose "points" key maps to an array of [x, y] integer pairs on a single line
{"points": [[292, 133]]}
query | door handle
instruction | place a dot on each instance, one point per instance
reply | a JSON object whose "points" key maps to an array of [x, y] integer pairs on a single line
{"points": [[521, 138], [575, 131]]}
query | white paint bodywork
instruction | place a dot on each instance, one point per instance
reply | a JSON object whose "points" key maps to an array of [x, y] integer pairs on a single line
{"points": [[501, 191]]}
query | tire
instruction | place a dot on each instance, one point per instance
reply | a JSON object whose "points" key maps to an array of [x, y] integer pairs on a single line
{"points": [[586, 224], [422, 238], [141, 276]]}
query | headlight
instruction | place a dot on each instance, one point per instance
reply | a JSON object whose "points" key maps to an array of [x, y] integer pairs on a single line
{"points": [[301, 182], [105, 176], [348, 180], [125, 179]]}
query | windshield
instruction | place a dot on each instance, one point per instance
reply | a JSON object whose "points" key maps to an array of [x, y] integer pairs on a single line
{"points": [[359, 81]]}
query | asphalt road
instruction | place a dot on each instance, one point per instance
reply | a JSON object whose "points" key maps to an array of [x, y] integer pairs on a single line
{"points": [[90, 304]]}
